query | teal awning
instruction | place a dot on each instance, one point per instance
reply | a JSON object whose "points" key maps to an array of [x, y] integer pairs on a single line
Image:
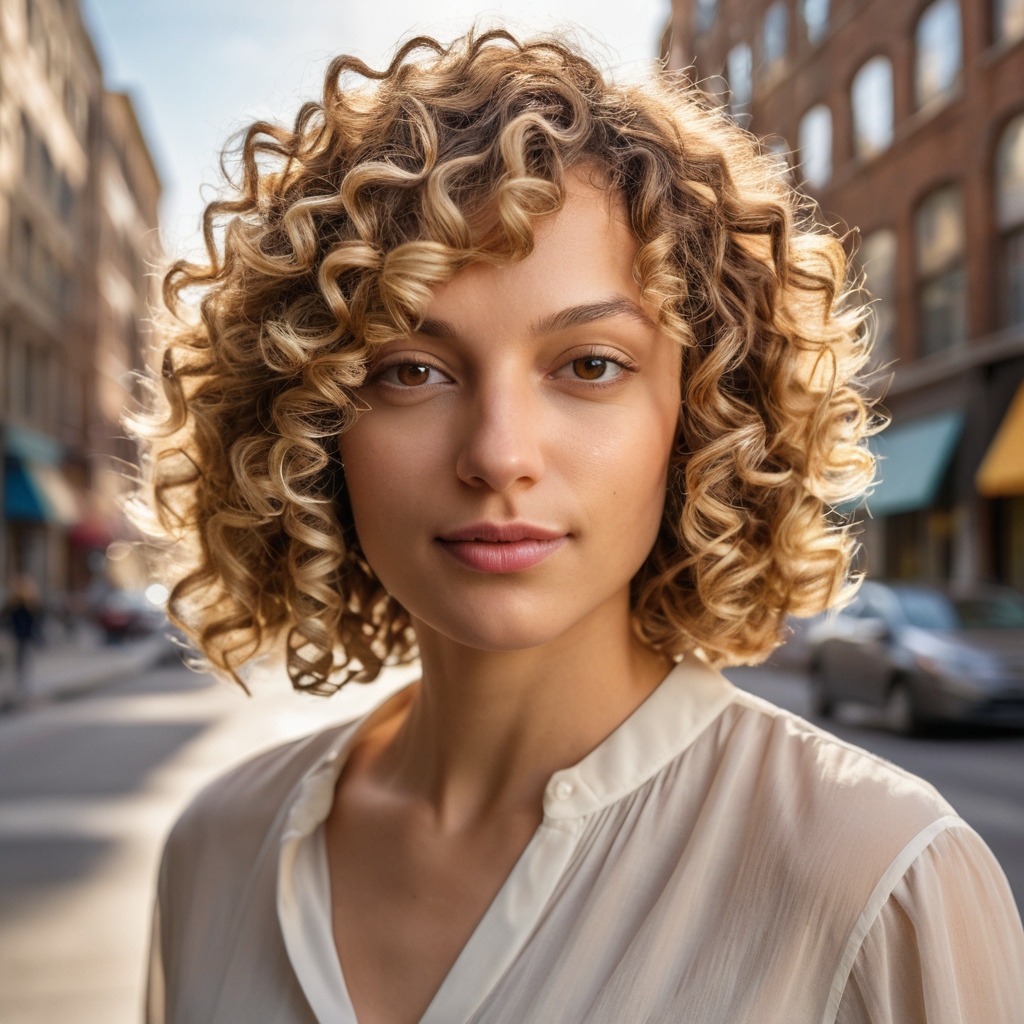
{"points": [[38, 493], [912, 460], [22, 501]]}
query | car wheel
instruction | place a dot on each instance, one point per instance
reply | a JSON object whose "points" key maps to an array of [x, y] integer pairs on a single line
{"points": [[900, 713], [822, 704]]}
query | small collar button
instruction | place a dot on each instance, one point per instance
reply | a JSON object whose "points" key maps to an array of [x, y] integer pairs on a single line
{"points": [[563, 790]]}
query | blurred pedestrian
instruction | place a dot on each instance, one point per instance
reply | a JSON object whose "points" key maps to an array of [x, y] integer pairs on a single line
{"points": [[22, 615]]}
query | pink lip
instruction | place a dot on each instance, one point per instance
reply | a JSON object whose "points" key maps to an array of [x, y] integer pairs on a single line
{"points": [[502, 547]]}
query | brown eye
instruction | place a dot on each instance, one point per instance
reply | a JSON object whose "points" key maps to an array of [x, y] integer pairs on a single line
{"points": [[589, 368], [412, 374]]}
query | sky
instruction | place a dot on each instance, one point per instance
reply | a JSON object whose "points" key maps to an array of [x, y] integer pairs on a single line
{"points": [[198, 70]]}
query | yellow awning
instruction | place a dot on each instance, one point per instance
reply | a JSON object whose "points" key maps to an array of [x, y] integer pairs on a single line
{"points": [[1001, 474]]}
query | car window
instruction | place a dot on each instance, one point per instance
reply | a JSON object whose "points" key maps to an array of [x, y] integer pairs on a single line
{"points": [[877, 603], [990, 612], [927, 609]]}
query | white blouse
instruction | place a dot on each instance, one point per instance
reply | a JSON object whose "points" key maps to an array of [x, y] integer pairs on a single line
{"points": [[715, 860]]}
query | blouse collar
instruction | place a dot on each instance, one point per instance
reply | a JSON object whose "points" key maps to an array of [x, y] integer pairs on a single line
{"points": [[686, 701]]}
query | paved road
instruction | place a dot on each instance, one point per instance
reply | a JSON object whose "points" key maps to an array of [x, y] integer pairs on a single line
{"points": [[89, 787]]}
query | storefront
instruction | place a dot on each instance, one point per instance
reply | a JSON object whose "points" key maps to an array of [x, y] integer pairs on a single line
{"points": [[1001, 478], [909, 532], [39, 506]]}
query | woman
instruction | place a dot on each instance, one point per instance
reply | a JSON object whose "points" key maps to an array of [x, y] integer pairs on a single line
{"points": [[548, 383]]}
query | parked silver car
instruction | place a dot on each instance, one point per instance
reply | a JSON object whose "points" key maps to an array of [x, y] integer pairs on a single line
{"points": [[924, 654]]}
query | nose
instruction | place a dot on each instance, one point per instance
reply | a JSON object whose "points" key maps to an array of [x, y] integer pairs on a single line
{"points": [[501, 443]]}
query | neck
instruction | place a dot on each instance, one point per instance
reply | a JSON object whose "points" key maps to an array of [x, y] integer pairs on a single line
{"points": [[485, 730]]}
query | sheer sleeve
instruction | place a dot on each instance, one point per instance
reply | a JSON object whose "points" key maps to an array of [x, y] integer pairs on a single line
{"points": [[947, 946]]}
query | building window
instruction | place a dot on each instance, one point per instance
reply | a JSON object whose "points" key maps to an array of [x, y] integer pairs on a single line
{"points": [[939, 51], [1007, 20], [815, 15], [776, 29], [1010, 217], [5, 371], [942, 286], [39, 168], [23, 249], [877, 258], [738, 70], [34, 24], [704, 12], [76, 107], [815, 144], [16, 379], [871, 95]]}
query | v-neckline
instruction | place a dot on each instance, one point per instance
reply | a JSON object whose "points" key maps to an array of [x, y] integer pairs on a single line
{"points": [[496, 940], [692, 694]]}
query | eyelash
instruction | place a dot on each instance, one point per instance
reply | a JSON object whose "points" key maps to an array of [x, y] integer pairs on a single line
{"points": [[376, 376]]}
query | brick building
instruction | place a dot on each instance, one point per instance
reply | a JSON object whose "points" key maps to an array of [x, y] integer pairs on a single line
{"points": [[905, 121], [78, 197]]}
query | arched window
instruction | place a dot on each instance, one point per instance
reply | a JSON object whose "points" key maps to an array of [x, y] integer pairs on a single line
{"points": [[942, 286], [815, 14], [871, 95], [939, 51], [1007, 20], [877, 258], [815, 143], [704, 12], [1010, 216], [775, 38], [739, 69]]}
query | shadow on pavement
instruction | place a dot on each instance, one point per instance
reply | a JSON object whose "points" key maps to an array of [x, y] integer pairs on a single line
{"points": [[103, 759], [29, 866]]}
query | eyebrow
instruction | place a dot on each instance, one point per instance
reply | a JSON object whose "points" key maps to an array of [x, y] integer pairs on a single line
{"points": [[591, 312], [563, 320]]}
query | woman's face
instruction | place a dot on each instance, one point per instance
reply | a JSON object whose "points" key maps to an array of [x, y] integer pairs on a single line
{"points": [[509, 478]]}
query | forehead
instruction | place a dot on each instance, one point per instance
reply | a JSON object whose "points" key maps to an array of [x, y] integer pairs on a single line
{"points": [[582, 253]]}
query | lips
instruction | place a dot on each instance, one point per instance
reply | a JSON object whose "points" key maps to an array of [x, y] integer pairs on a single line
{"points": [[502, 547]]}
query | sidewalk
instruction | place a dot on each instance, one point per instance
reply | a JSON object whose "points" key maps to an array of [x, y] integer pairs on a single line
{"points": [[83, 662]]}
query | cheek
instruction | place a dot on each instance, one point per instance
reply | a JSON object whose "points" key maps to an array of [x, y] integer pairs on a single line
{"points": [[621, 476], [385, 470]]}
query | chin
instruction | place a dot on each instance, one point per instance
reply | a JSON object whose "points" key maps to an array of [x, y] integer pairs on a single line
{"points": [[500, 625]]}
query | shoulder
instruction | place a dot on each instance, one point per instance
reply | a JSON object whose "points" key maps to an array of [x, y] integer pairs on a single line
{"points": [[233, 814], [819, 771], [826, 815]]}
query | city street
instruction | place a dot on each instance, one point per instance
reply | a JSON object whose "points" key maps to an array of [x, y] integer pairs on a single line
{"points": [[88, 788]]}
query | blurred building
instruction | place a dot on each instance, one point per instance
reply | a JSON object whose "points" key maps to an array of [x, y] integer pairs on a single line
{"points": [[128, 251], [78, 195], [905, 121]]}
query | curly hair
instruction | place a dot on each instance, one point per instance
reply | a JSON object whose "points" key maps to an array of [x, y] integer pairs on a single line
{"points": [[329, 245]]}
